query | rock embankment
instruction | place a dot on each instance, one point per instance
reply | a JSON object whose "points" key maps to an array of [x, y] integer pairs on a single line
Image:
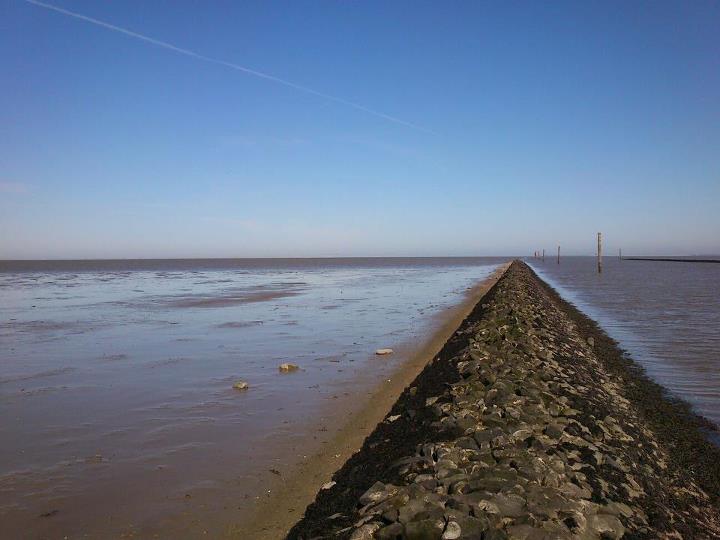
{"points": [[520, 428]]}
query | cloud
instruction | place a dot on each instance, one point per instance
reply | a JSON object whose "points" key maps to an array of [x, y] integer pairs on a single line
{"points": [[237, 67], [13, 187]]}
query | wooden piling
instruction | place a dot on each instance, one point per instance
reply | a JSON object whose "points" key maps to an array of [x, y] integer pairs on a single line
{"points": [[599, 252], [558, 261], [543, 255]]}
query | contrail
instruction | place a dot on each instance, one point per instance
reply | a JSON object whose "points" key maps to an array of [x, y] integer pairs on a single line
{"points": [[230, 65]]}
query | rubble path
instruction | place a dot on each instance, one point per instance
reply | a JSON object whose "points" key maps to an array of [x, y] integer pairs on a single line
{"points": [[529, 424]]}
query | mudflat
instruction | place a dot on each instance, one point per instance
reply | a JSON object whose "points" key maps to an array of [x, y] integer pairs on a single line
{"points": [[118, 381]]}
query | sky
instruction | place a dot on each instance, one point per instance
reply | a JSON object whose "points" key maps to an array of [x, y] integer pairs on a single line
{"points": [[348, 128]]}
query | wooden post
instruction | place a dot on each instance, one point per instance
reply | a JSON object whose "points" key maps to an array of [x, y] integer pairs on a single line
{"points": [[620, 254], [543, 255], [558, 254], [599, 255]]}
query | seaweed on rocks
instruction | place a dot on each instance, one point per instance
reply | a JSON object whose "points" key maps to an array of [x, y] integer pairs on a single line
{"points": [[529, 424]]}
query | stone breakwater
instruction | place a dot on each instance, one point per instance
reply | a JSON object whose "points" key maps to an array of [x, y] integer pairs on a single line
{"points": [[521, 428]]}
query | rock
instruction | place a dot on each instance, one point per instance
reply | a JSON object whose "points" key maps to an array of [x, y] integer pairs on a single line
{"points": [[377, 492], [522, 434], [383, 352], [510, 505], [452, 531], [495, 534], [616, 508], [328, 485], [554, 431], [241, 385], [390, 515], [528, 532], [413, 507], [467, 443], [426, 529], [287, 368], [606, 526], [574, 492], [392, 418], [591, 342], [391, 532], [458, 506], [366, 532], [472, 527]]}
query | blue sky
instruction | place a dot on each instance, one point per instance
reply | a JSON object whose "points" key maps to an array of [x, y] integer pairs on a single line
{"points": [[538, 124]]}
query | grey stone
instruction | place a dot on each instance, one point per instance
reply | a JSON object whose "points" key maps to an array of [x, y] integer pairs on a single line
{"points": [[472, 528], [393, 531], [495, 534], [377, 492], [606, 526], [452, 531], [365, 532], [428, 529]]}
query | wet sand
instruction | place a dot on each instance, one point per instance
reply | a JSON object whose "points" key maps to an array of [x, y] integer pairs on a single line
{"points": [[121, 416], [289, 494]]}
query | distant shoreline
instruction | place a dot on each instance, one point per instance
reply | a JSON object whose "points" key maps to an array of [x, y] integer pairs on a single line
{"points": [[671, 260]]}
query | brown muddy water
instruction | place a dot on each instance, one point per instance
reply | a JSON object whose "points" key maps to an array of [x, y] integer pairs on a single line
{"points": [[666, 314], [117, 413]]}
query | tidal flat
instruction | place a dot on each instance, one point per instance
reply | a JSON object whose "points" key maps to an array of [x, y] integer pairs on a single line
{"points": [[116, 382]]}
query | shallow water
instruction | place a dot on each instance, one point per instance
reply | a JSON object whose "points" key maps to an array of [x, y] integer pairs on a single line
{"points": [[665, 314], [118, 413]]}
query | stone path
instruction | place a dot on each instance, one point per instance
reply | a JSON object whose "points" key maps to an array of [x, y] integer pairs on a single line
{"points": [[529, 437]]}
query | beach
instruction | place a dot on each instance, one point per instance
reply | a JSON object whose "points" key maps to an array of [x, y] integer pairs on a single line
{"points": [[530, 423]]}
